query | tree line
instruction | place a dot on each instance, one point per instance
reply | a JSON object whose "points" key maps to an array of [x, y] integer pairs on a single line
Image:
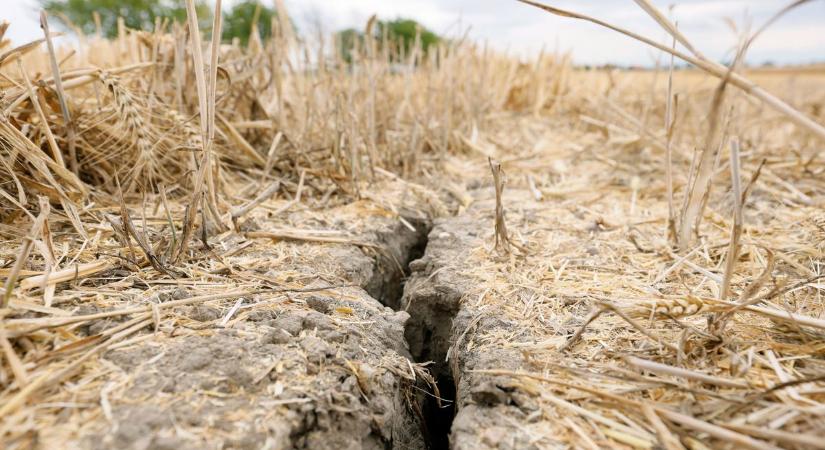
{"points": [[101, 16]]}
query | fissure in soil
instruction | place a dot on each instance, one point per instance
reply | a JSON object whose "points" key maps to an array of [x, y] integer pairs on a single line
{"points": [[430, 331]]}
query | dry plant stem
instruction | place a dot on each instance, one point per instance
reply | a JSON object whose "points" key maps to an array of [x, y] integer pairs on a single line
{"points": [[16, 365], [242, 210], [17, 52], [738, 218], [22, 395], [61, 95], [672, 29], [173, 244], [719, 432], [630, 435], [25, 248], [270, 156], [46, 166], [775, 314], [285, 26], [659, 368], [293, 236], [640, 328], [71, 273], [296, 199], [802, 440], [204, 173], [46, 247], [666, 438], [243, 144], [211, 112], [748, 297], [751, 291], [586, 441], [73, 80], [708, 66], [22, 327], [691, 215], [670, 122], [752, 181], [773, 19], [200, 70], [740, 197], [22, 199], [578, 334], [44, 123], [129, 231], [502, 239]]}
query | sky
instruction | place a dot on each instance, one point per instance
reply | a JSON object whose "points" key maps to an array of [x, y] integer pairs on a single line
{"points": [[507, 25]]}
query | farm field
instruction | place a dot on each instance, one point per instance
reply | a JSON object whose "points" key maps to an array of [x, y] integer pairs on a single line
{"points": [[272, 245]]}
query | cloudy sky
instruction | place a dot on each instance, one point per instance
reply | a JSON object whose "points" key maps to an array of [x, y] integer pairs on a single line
{"points": [[508, 25]]}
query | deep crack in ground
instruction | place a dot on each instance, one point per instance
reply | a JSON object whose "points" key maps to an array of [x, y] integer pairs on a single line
{"points": [[427, 334]]}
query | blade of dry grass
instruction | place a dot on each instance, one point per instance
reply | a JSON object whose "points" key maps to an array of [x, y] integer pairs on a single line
{"points": [[666, 438], [61, 94], [697, 192], [665, 369], [206, 107], [778, 15], [278, 235], [671, 28], [44, 123], [17, 368], [70, 273], [670, 123], [244, 209], [25, 248], [738, 219]]}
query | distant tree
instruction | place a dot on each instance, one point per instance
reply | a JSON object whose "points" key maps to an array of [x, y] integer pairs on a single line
{"points": [[404, 32], [237, 22], [400, 32], [346, 40], [137, 14]]}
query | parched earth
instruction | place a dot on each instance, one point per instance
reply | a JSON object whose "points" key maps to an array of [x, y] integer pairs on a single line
{"points": [[321, 365], [341, 361], [405, 327]]}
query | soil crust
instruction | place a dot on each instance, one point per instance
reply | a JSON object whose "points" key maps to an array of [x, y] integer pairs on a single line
{"points": [[320, 369]]}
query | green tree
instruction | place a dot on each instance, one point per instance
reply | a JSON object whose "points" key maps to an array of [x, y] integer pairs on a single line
{"points": [[237, 22], [137, 14], [346, 40], [404, 32], [400, 32]]}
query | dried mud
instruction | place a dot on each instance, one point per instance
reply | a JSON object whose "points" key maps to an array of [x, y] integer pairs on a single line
{"points": [[325, 368]]}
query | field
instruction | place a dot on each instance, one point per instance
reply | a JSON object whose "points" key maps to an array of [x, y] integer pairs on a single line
{"points": [[207, 245]]}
